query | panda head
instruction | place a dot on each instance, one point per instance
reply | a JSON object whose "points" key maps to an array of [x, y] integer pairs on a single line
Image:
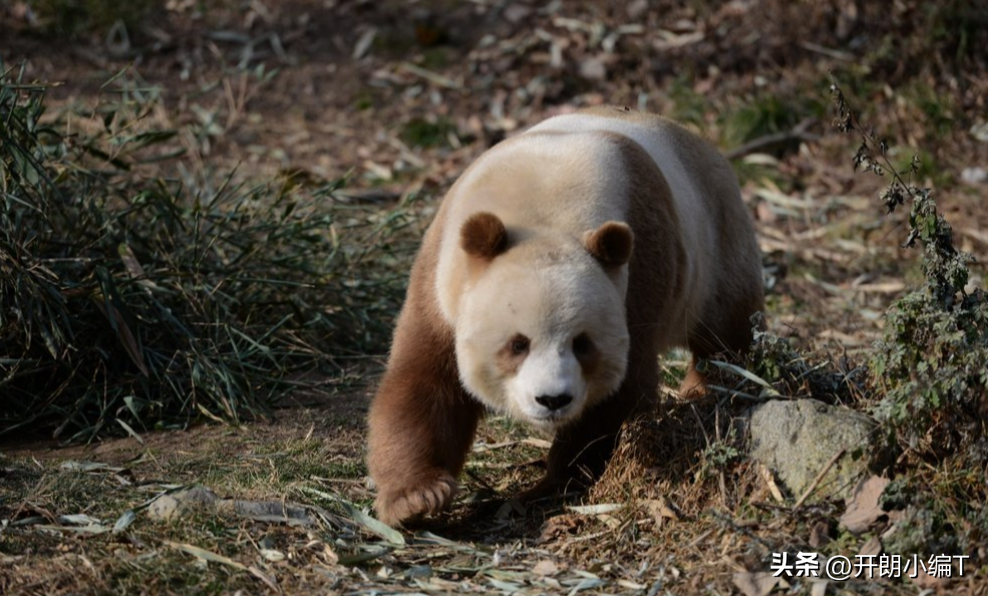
{"points": [[541, 332]]}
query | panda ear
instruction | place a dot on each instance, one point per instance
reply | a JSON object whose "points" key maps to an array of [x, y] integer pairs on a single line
{"points": [[610, 244], [483, 236]]}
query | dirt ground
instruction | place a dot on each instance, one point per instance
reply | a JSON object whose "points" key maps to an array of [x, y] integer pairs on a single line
{"points": [[399, 97]]}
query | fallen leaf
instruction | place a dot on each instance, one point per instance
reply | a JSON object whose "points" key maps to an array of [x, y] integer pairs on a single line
{"points": [[755, 583], [819, 535], [78, 519], [926, 581], [329, 555], [364, 43], [90, 529], [558, 526], [124, 520], [545, 567], [660, 508], [268, 511], [124, 334], [596, 509], [862, 507], [872, 547], [206, 555], [369, 523], [88, 466], [264, 578]]}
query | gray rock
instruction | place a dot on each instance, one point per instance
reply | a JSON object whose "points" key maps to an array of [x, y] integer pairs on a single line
{"points": [[796, 439], [173, 505], [164, 507], [974, 176]]}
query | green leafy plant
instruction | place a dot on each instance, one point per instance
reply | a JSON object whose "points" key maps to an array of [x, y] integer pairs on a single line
{"points": [[774, 367], [128, 301], [930, 364]]}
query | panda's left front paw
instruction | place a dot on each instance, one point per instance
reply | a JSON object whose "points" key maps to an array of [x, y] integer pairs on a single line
{"points": [[428, 496]]}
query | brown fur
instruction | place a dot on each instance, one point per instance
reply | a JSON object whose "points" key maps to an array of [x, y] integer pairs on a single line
{"points": [[610, 244], [422, 422], [507, 360], [483, 236], [589, 360]]}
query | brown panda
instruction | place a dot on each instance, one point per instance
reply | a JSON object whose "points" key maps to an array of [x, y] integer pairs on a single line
{"points": [[558, 267]]}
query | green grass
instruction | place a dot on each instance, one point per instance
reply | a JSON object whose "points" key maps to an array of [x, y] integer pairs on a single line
{"points": [[427, 132], [688, 106], [132, 302]]}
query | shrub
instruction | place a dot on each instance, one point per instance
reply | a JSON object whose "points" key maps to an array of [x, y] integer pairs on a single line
{"points": [[128, 300], [929, 366]]}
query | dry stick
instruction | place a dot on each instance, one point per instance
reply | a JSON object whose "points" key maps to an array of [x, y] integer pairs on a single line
{"points": [[696, 541], [798, 133], [720, 473], [818, 479]]}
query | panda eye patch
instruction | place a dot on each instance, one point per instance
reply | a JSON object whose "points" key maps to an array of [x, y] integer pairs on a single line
{"points": [[518, 345], [582, 345], [513, 353]]}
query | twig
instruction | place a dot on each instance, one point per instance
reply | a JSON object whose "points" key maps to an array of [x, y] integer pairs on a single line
{"points": [[818, 479], [586, 538], [798, 133], [482, 482], [828, 52], [696, 541], [431, 76]]}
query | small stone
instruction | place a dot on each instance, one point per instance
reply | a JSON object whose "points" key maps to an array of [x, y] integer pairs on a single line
{"points": [[593, 69], [174, 505], [974, 176], [197, 495], [545, 567], [164, 507], [980, 131]]}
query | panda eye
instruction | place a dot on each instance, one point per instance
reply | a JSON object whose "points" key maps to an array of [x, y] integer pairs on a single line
{"points": [[582, 345], [519, 345]]}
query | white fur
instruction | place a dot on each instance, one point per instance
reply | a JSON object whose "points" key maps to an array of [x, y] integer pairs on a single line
{"points": [[694, 222], [550, 303], [552, 184], [528, 181], [551, 369]]}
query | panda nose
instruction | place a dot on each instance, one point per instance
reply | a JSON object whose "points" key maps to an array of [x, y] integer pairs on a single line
{"points": [[554, 402]]}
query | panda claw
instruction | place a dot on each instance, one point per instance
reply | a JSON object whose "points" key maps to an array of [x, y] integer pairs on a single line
{"points": [[428, 497]]}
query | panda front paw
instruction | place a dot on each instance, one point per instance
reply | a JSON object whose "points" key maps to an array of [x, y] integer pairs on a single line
{"points": [[428, 496]]}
